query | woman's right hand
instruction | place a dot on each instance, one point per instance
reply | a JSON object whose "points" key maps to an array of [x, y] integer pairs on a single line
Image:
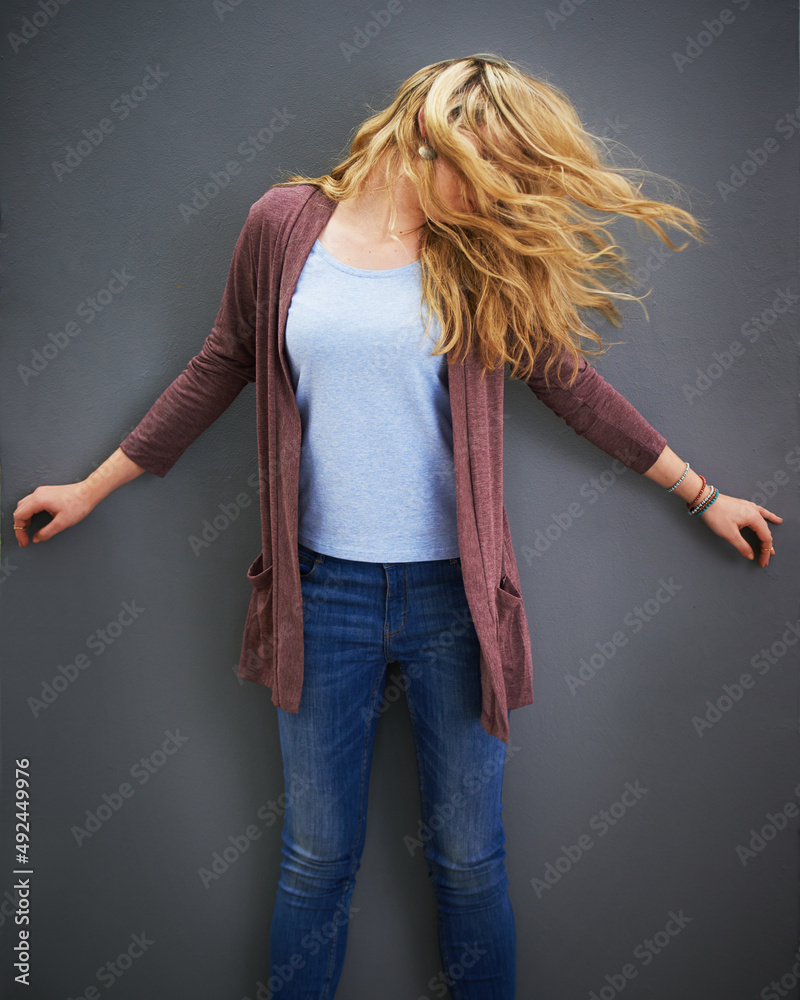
{"points": [[68, 504], [71, 503]]}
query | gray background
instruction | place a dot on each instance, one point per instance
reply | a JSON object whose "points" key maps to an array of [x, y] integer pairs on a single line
{"points": [[173, 668]]}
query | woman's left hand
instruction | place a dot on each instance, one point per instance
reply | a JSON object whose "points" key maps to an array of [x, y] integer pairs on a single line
{"points": [[728, 514]]}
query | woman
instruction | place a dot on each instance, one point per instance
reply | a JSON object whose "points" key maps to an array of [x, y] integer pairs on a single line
{"points": [[375, 309]]}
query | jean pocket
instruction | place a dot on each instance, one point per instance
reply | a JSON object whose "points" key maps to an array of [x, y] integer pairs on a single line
{"points": [[308, 561]]}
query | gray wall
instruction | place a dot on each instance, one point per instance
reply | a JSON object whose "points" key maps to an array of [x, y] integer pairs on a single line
{"points": [[172, 668]]}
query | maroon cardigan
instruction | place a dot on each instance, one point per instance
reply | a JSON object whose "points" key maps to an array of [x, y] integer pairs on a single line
{"points": [[246, 344]]}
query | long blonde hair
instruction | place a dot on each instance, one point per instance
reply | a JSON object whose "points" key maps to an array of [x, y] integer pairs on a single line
{"points": [[510, 278]]}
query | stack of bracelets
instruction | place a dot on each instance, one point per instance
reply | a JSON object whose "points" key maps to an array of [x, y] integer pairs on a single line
{"points": [[693, 505]]}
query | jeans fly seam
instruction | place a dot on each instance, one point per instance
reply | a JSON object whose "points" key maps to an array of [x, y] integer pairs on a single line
{"points": [[386, 633]]}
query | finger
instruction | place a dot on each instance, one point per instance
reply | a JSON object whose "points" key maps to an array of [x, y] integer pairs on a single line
{"points": [[25, 510], [761, 528], [732, 532], [768, 513], [21, 530]]}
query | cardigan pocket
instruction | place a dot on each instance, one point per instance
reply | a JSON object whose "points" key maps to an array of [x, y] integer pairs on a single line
{"points": [[510, 625], [257, 656]]}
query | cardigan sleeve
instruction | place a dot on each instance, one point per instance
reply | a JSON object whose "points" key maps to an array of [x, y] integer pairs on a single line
{"points": [[593, 408], [214, 377]]}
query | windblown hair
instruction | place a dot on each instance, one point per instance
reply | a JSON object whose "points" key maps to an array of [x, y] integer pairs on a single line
{"points": [[511, 278]]}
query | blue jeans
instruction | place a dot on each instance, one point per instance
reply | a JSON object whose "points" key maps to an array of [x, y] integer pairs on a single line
{"points": [[357, 618]]}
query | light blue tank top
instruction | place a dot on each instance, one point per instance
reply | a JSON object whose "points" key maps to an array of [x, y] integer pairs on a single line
{"points": [[377, 480]]}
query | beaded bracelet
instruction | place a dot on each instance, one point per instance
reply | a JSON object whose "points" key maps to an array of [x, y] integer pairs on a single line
{"points": [[699, 494], [680, 480], [695, 506], [705, 504]]}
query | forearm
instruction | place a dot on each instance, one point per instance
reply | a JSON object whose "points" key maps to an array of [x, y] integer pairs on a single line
{"points": [[115, 471], [593, 408], [668, 469], [184, 410]]}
